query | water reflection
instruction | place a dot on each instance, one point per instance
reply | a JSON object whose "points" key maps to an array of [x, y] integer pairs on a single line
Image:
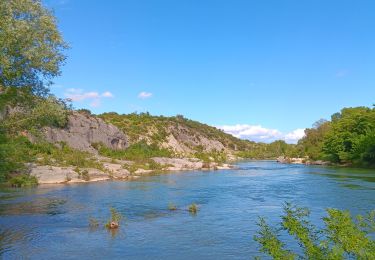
{"points": [[47, 206]]}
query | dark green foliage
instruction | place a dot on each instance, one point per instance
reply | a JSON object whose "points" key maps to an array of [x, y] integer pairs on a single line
{"points": [[16, 151], [341, 238], [23, 180], [31, 46], [348, 138]]}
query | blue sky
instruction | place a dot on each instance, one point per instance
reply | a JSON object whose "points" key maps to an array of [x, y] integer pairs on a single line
{"points": [[261, 69]]}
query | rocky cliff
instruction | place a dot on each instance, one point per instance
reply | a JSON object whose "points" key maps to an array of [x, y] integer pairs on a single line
{"points": [[83, 130]]}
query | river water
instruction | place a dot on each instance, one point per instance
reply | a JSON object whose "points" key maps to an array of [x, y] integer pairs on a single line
{"points": [[51, 222]]}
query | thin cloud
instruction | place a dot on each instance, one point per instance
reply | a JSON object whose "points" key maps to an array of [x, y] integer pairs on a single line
{"points": [[261, 134], [107, 94], [144, 95], [78, 95]]}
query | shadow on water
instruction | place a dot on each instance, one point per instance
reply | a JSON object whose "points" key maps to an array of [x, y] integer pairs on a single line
{"points": [[346, 174], [47, 206]]}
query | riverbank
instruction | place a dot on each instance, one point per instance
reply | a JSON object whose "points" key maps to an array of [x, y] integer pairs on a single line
{"points": [[306, 161], [118, 170]]}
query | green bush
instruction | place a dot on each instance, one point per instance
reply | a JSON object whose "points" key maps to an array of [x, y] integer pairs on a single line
{"points": [[342, 238], [135, 152], [23, 180], [16, 151]]}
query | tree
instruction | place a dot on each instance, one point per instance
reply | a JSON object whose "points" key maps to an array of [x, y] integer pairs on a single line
{"points": [[351, 134], [31, 47], [311, 144], [341, 238]]}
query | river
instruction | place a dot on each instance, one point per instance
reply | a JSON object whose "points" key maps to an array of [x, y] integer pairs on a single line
{"points": [[51, 222]]}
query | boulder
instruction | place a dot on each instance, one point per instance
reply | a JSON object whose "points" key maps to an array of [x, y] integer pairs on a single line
{"points": [[84, 130]]}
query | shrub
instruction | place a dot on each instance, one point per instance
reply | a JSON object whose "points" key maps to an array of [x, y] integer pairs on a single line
{"points": [[135, 152], [23, 180], [342, 237]]}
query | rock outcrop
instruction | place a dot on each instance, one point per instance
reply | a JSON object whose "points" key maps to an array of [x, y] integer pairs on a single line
{"points": [[84, 130], [186, 164], [307, 161], [58, 175]]}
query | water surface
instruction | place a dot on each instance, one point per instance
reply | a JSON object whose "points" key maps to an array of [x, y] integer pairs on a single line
{"points": [[51, 222]]}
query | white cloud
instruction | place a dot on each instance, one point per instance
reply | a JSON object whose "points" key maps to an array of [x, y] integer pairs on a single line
{"points": [[76, 94], [261, 134], [144, 95], [294, 136], [107, 94]]}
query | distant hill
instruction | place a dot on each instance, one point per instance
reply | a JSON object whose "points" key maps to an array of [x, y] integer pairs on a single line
{"points": [[178, 134]]}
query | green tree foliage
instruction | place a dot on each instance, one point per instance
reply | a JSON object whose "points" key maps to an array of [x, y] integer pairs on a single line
{"points": [[312, 143], [31, 47], [31, 53], [269, 151], [343, 237], [351, 137], [348, 138], [46, 112]]}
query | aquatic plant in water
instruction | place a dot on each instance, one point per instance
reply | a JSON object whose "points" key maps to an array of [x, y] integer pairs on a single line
{"points": [[193, 208], [114, 221]]}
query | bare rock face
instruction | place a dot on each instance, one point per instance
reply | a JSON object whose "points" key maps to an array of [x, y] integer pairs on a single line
{"points": [[84, 130]]}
